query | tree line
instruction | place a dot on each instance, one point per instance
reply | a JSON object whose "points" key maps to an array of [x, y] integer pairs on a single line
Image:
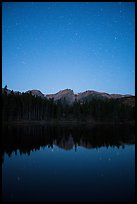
{"points": [[31, 138], [25, 106]]}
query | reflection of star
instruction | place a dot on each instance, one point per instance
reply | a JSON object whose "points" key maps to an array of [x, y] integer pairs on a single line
{"points": [[18, 178]]}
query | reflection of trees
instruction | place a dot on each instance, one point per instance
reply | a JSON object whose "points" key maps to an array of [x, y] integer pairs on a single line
{"points": [[31, 138]]}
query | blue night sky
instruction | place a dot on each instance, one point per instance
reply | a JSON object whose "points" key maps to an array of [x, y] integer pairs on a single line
{"points": [[76, 45]]}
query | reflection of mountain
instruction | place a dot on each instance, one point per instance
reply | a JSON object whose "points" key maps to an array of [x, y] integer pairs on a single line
{"points": [[65, 143], [29, 138]]}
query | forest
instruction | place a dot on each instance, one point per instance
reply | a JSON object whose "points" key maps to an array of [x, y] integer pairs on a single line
{"points": [[27, 107], [31, 138]]}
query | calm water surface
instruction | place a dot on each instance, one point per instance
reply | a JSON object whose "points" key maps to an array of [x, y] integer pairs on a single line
{"points": [[68, 163]]}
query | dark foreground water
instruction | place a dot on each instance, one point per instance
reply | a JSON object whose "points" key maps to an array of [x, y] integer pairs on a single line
{"points": [[68, 163]]}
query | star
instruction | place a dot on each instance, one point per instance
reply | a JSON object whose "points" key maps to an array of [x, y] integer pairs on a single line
{"points": [[115, 21], [61, 16], [121, 11], [17, 23], [23, 62], [129, 23], [69, 23], [18, 48], [7, 30]]}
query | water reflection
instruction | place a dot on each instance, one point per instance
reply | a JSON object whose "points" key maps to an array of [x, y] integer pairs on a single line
{"points": [[75, 171], [27, 138]]}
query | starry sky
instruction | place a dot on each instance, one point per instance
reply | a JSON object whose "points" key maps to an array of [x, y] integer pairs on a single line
{"points": [[78, 45]]}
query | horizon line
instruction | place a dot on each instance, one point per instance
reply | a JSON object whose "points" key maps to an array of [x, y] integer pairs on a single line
{"points": [[77, 92]]}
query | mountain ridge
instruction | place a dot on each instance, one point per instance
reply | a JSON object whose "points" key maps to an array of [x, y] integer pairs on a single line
{"points": [[69, 96], [65, 90], [65, 105]]}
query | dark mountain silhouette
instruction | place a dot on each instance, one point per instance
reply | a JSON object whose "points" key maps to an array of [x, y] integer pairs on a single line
{"points": [[35, 92], [91, 106], [70, 97]]}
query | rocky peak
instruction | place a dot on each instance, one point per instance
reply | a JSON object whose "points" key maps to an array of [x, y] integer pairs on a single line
{"points": [[91, 94], [70, 97], [66, 94], [35, 92], [115, 96]]}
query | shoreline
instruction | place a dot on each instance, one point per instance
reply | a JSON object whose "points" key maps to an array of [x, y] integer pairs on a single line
{"points": [[66, 122]]}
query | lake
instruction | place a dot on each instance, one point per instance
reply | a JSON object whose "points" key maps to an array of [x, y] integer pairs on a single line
{"points": [[74, 163]]}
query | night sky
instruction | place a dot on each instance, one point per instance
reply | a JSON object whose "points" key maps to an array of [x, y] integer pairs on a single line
{"points": [[81, 46]]}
